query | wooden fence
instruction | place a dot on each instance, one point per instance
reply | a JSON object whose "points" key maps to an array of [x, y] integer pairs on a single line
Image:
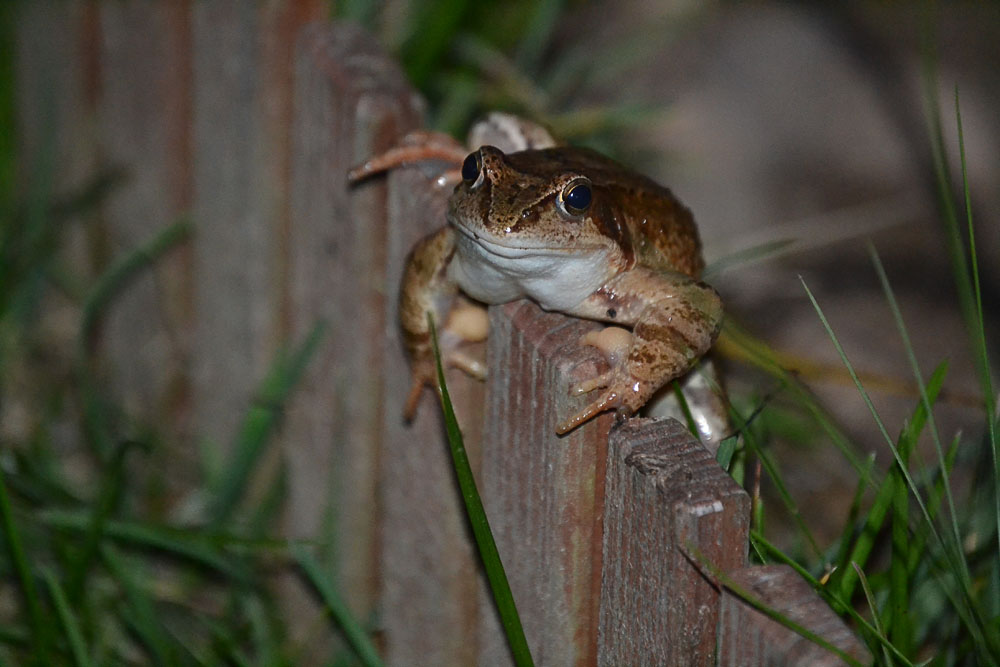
{"points": [[248, 116]]}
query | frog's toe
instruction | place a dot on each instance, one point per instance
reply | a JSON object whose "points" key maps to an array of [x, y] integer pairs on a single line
{"points": [[590, 384], [470, 366], [413, 399], [610, 399], [423, 375]]}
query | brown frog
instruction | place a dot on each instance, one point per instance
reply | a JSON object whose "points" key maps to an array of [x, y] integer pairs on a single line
{"points": [[572, 230]]}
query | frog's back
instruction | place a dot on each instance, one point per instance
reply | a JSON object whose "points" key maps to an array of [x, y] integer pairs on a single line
{"points": [[658, 229]]}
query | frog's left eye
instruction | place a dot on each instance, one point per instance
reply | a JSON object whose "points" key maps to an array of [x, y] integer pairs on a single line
{"points": [[576, 196], [472, 168]]}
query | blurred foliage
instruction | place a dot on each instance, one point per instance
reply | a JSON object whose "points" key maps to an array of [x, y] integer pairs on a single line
{"points": [[469, 58]]}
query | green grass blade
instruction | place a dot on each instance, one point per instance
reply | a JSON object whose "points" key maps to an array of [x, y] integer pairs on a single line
{"points": [[769, 611], [978, 329], [786, 498], [40, 636], [259, 425], [120, 274], [140, 612], [901, 631], [111, 489], [951, 550], [68, 620], [925, 401], [759, 354], [763, 546], [502, 596], [109, 285], [199, 548], [352, 631], [692, 427], [876, 617], [537, 37], [933, 504], [433, 33], [847, 539], [879, 509], [727, 448]]}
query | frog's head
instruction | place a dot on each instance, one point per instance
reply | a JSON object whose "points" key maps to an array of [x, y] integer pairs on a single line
{"points": [[536, 202]]}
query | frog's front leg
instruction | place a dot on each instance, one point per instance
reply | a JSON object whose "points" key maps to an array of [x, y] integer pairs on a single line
{"points": [[674, 318], [428, 289]]}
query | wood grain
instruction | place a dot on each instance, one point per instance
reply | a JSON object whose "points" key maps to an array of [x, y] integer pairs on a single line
{"points": [[543, 493], [748, 637], [350, 101], [669, 510]]}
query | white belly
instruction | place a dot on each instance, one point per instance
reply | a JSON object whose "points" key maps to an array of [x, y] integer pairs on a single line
{"points": [[557, 280]]}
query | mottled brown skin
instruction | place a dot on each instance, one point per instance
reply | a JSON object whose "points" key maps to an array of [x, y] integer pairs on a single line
{"points": [[632, 257], [651, 226]]}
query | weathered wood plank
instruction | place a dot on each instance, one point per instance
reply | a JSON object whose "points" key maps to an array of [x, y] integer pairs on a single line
{"points": [[241, 137], [350, 101], [543, 493], [748, 637], [55, 71], [669, 509], [398, 533], [144, 116], [427, 559]]}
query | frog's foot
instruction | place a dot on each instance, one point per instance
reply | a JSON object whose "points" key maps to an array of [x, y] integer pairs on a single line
{"points": [[418, 146], [467, 323], [425, 375], [621, 390], [621, 393]]}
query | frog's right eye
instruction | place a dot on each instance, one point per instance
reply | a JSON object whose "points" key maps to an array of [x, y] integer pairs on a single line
{"points": [[472, 169]]}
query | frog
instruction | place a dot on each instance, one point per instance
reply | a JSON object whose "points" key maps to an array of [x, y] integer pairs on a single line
{"points": [[572, 230]]}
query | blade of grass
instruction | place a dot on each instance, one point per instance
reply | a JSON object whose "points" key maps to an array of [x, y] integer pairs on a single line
{"points": [[120, 274], [849, 535], [68, 620], [259, 424], [901, 630], [925, 401], [727, 448], [754, 446], [111, 488], [933, 504], [502, 596], [978, 328], [738, 342], [956, 549], [879, 509], [352, 631], [140, 613], [432, 35], [199, 548], [876, 617], [692, 427], [40, 636], [762, 545], [952, 551], [109, 285], [766, 609]]}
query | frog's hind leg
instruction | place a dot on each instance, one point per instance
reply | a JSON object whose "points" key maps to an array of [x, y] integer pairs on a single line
{"points": [[418, 146]]}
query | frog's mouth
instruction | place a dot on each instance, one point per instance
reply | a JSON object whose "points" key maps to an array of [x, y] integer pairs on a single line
{"points": [[514, 248]]}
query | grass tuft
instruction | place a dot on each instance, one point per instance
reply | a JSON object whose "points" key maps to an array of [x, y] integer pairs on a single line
{"points": [[492, 565]]}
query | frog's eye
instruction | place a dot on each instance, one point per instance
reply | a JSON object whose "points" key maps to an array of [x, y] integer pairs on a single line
{"points": [[576, 196], [472, 169]]}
